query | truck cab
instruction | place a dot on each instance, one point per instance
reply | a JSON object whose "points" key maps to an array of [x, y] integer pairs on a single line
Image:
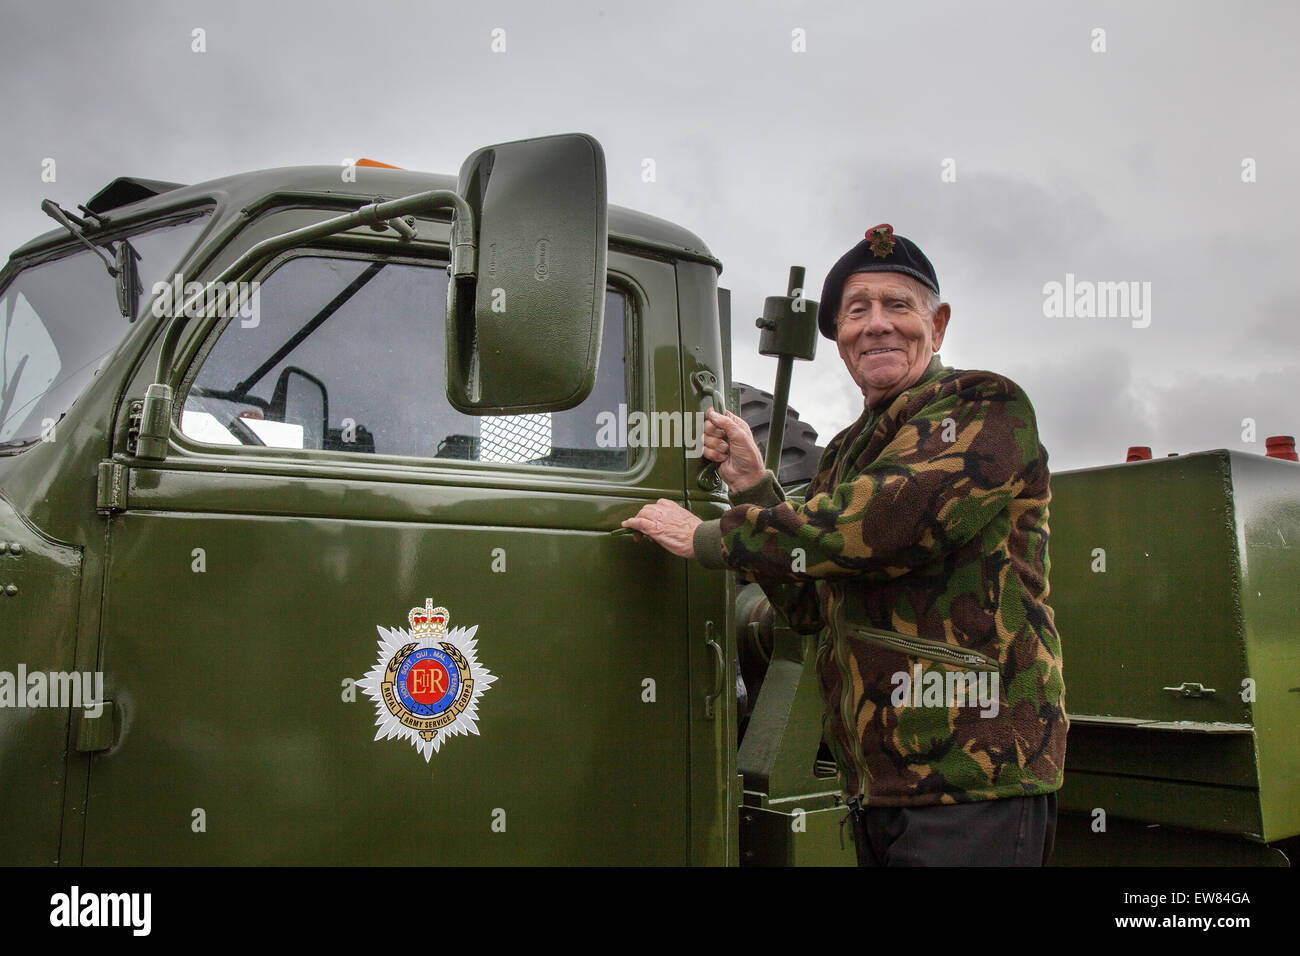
{"points": [[316, 489]]}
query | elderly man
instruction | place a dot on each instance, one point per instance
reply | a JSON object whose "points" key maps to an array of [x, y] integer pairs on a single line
{"points": [[920, 556]]}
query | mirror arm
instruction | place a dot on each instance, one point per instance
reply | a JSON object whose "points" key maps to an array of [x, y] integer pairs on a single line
{"points": [[155, 418]]}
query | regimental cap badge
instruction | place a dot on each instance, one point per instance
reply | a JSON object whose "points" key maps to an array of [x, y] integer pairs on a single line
{"points": [[426, 683], [882, 240], [428, 621]]}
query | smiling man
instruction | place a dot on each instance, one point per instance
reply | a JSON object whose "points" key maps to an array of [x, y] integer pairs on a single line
{"points": [[920, 557]]}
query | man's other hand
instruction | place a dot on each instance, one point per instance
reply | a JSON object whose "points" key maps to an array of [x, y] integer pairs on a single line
{"points": [[669, 525]]}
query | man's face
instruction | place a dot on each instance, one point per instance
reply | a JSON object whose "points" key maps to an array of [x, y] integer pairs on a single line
{"points": [[885, 335]]}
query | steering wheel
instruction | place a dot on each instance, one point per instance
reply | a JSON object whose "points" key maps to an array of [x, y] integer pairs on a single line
{"points": [[241, 431], [232, 422]]}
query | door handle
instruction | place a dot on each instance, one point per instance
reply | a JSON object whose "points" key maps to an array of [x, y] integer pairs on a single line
{"points": [[706, 385], [719, 670]]}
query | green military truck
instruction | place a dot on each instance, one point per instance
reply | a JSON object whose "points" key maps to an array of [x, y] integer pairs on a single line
{"points": [[310, 489]]}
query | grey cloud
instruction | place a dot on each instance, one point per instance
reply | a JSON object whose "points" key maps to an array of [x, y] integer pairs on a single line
{"points": [[1115, 166]]}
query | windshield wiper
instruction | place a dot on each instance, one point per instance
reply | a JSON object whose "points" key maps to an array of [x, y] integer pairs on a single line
{"points": [[65, 219], [124, 272]]}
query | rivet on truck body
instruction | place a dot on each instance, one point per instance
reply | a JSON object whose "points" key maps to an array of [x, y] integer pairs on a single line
{"points": [[11, 590], [15, 548]]}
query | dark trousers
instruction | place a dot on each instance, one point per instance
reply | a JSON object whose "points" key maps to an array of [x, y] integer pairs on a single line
{"points": [[1013, 831]]}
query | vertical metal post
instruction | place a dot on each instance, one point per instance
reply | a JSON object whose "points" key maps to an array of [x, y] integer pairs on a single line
{"points": [[781, 393]]}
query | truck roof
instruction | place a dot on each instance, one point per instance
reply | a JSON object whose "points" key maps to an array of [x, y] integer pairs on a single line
{"points": [[118, 200]]}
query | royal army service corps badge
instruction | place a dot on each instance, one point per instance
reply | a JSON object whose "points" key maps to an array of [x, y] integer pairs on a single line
{"points": [[427, 682]]}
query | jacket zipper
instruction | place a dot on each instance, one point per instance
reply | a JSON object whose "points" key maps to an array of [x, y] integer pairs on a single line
{"points": [[848, 727], [921, 647]]}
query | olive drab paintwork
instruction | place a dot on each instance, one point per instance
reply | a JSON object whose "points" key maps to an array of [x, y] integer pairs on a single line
{"points": [[1174, 586], [228, 684], [232, 596]]}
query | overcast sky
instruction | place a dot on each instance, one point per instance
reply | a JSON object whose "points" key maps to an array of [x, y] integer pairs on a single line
{"points": [[1122, 165]]}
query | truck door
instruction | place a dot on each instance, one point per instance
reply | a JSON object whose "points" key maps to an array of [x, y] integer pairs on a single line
{"points": [[322, 510]]}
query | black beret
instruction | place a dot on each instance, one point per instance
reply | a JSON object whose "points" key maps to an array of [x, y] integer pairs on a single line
{"points": [[880, 251]]}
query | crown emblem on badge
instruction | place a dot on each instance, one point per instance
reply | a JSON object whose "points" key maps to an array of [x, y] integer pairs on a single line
{"points": [[882, 240], [428, 621]]}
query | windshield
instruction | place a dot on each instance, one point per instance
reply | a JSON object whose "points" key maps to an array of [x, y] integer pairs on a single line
{"points": [[59, 322]]}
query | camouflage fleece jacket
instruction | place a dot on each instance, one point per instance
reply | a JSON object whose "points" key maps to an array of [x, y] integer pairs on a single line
{"points": [[920, 555]]}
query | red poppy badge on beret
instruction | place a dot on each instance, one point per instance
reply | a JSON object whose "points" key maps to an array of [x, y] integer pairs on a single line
{"points": [[882, 240]]}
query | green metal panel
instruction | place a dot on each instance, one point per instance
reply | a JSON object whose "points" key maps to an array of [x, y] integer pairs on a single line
{"points": [[1218, 759], [791, 817], [1164, 612], [1267, 494], [798, 836], [784, 734], [231, 698], [1145, 591], [40, 590], [1125, 843], [1198, 588], [715, 796], [1155, 800], [253, 191]]}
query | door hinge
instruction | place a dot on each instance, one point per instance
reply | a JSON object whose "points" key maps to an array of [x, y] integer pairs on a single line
{"points": [[110, 488], [1190, 690], [134, 413], [96, 733]]}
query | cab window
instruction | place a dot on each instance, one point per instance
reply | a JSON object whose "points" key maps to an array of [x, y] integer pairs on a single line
{"points": [[60, 323], [345, 354]]}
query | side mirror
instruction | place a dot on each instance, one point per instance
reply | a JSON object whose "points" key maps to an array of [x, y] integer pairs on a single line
{"points": [[524, 334], [300, 398], [128, 279]]}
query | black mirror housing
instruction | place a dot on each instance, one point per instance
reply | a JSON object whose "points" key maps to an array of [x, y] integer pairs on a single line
{"points": [[524, 335]]}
